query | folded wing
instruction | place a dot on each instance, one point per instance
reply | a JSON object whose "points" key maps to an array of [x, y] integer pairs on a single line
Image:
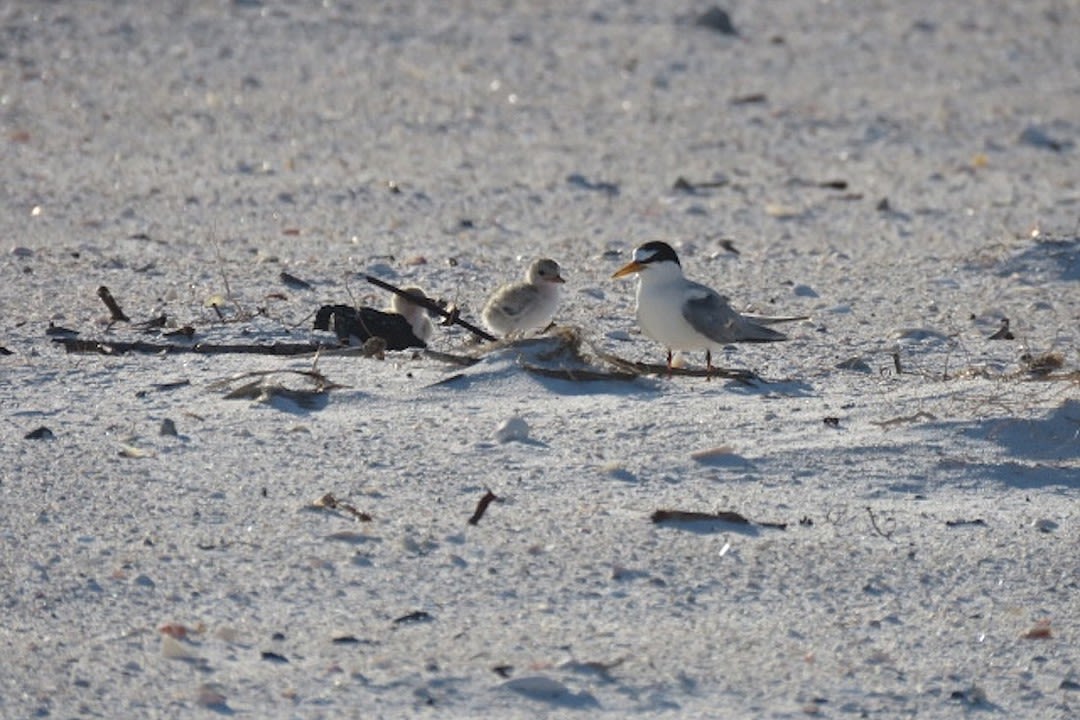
{"points": [[709, 313]]}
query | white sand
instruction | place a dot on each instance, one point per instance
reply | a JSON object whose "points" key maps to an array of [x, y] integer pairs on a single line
{"points": [[194, 154]]}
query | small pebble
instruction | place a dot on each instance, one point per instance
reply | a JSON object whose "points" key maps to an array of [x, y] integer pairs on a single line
{"points": [[210, 695], [514, 428], [168, 427]]}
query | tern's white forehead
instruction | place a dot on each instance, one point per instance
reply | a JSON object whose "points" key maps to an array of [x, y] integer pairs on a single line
{"points": [[644, 254]]}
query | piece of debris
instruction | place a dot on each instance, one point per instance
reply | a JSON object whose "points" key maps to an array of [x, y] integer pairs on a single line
{"points": [[74, 345], [718, 20], [1040, 631], [833, 422], [419, 616], [168, 428], [329, 502], [1039, 138], [41, 433], [163, 387], [273, 657], [1003, 333], [174, 630], [749, 98], [578, 180], [135, 453], [115, 313], [921, 415], [482, 506], [962, 523], [727, 516], [294, 283], [348, 640], [1043, 364], [683, 185]]}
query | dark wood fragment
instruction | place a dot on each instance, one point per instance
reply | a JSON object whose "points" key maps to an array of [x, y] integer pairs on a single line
{"points": [[115, 312], [482, 506]]}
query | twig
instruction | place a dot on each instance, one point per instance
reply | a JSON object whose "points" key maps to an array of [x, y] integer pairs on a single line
{"points": [[114, 308], [330, 502], [921, 415], [74, 345], [434, 307], [878, 530], [482, 506]]}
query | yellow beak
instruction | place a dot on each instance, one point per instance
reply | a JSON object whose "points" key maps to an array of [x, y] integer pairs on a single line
{"points": [[631, 267]]}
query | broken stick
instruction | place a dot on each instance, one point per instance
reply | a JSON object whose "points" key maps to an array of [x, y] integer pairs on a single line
{"points": [[115, 312], [482, 506]]}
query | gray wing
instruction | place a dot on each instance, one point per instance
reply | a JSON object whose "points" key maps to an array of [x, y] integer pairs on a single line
{"points": [[513, 301], [709, 313]]}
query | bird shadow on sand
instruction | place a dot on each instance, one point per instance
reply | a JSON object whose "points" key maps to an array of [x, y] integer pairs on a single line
{"points": [[1039, 452], [1058, 257]]}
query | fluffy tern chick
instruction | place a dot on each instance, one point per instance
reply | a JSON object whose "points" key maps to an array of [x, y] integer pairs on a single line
{"points": [[519, 307]]}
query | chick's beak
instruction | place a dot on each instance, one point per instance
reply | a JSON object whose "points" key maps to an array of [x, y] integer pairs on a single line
{"points": [[631, 267]]}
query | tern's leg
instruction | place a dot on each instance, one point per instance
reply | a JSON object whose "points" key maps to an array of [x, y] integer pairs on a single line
{"points": [[669, 362], [708, 365]]}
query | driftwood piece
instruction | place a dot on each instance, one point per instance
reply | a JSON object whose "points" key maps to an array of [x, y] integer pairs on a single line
{"points": [[482, 506], [115, 312], [727, 516], [103, 347]]}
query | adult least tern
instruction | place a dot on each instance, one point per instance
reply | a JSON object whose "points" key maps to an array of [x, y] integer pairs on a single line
{"points": [[518, 307], [681, 314]]}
